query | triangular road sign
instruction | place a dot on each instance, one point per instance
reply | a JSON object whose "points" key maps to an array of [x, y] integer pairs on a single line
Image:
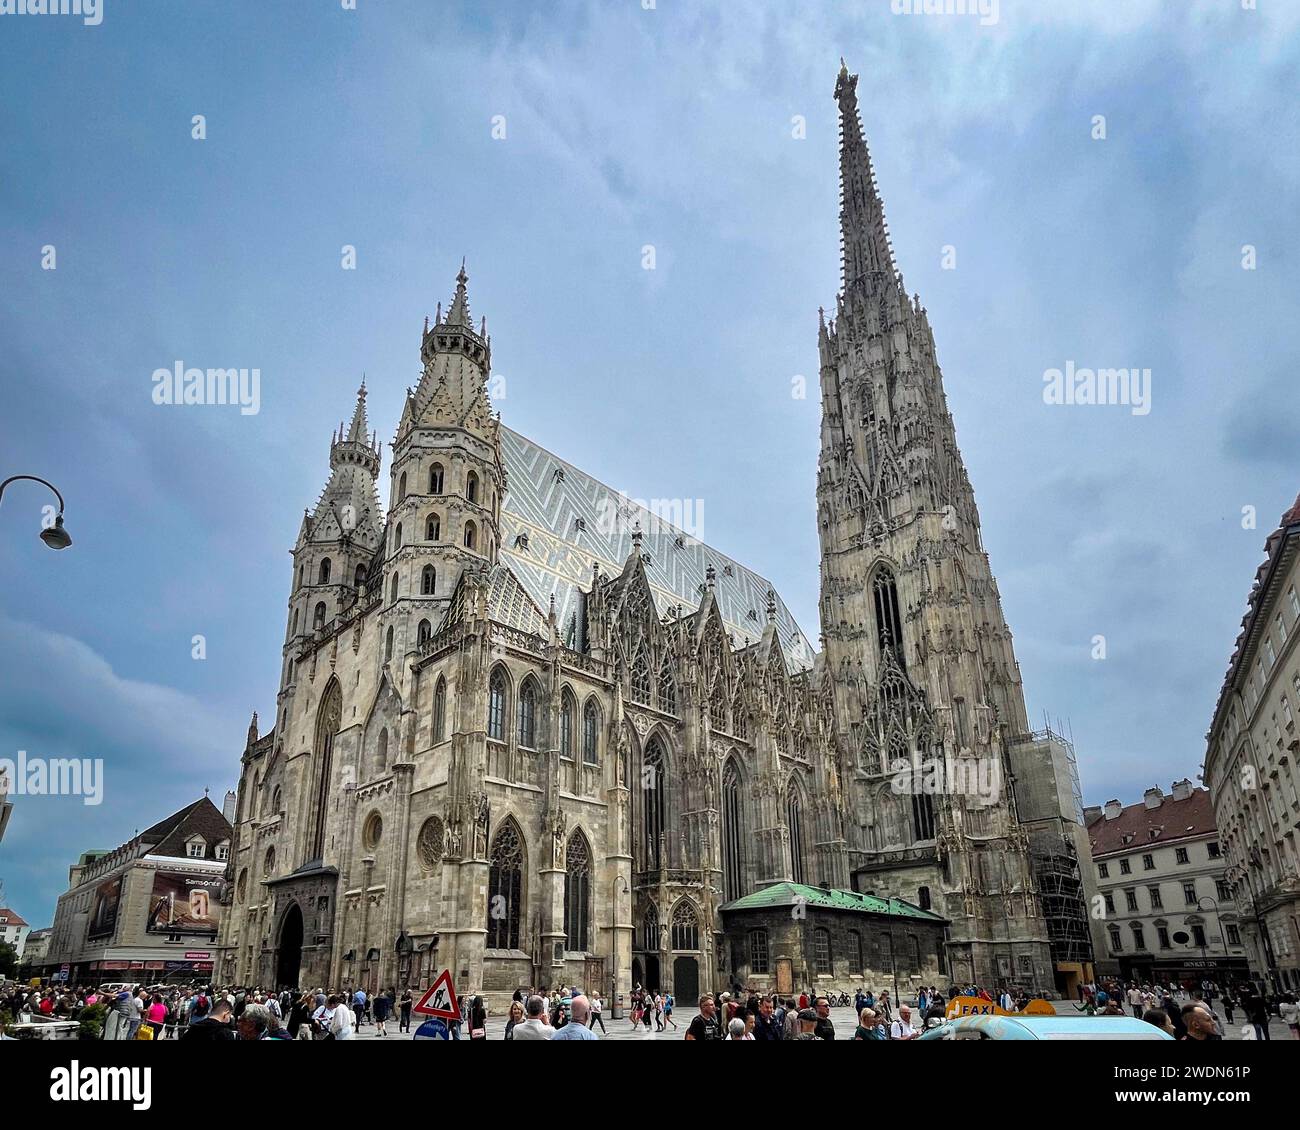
{"points": [[441, 999]]}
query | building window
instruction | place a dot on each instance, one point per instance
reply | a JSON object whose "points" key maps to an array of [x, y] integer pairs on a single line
{"points": [[922, 816], [1198, 935], [566, 725], [1116, 943], [423, 633], [590, 733], [195, 849], [1110, 903], [1189, 893], [528, 715], [359, 577], [382, 752], [374, 828], [388, 644], [1234, 935], [223, 851], [739, 726], [577, 892], [505, 888], [1103, 871], [889, 624], [1180, 855], [650, 931], [1157, 903], [471, 487], [401, 487], [733, 865], [324, 571], [435, 479], [318, 616], [440, 710], [1222, 890], [1131, 901], [667, 689], [923, 898], [758, 951], [1148, 863], [1139, 941], [1269, 653], [822, 951], [1295, 603], [1124, 867], [470, 535], [685, 927], [1213, 848], [652, 782], [428, 579], [268, 862], [794, 825], [496, 728], [1162, 933], [855, 951], [397, 537], [392, 589], [433, 528], [640, 676]]}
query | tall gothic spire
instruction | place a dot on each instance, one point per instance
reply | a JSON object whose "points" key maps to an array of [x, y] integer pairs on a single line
{"points": [[458, 315], [864, 235], [359, 430]]}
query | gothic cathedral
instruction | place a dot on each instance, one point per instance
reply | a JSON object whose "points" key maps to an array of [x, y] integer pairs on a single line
{"points": [[533, 733]]}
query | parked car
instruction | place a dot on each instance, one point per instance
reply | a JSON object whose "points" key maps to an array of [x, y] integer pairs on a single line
{"points": [[1045, 1028]]}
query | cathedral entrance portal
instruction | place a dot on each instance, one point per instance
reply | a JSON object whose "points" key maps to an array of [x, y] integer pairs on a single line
{"points": [[289, 951], [686, 980]]}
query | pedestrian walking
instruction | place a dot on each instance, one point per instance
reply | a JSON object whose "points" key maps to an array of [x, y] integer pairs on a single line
{"points": [[406, 1004]]}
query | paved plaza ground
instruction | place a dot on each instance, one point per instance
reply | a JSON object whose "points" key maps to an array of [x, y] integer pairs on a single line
{"points": [[843, 1018]]}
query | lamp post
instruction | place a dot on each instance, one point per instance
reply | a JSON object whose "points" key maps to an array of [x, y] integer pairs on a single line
{"points": [[55, 536], [618, 887], [1256, 861], [1218, 921]]}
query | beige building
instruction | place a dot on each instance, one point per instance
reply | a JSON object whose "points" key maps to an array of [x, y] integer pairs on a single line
{"points": [[14, 930], [535, 732], [147, 911], [1250, 762], [1169, 911]]}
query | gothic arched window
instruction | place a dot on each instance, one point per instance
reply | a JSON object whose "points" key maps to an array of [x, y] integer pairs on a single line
{"points": [[667, 689], [528, 714], [889, 625], [440, 710], [359, 577], [794, 824], [428, 579], [577, 892], [423, 633], [855, 952], [640, 676], [318, 616], [381, 751], [923, 898], [822, 951], [324, 571], [567, 712], [435, 479], [922, 816], [496, 727], [505, 888], [650, 931], [590, 733], [733, 852], [652, 790], [739, 727], [433, 528], [328, 719], [397, 536], [388, 644], [401, 487], [471, 536], [717, 706], [471, 487], [393, 589], [685, 927]]}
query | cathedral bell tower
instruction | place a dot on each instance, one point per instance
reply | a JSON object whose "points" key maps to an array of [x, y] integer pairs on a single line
{"points": [[926, 687], [447, 481]]}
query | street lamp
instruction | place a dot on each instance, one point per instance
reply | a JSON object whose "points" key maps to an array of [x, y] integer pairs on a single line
{"points": [[618, 887], [55, 536]]}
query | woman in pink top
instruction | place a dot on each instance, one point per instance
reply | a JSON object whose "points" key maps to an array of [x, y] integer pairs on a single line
{"points": [[157, 1016]]}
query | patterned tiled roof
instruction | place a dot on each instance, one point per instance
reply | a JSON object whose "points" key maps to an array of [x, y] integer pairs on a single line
{"points": [[799, 894], [565, 515]]}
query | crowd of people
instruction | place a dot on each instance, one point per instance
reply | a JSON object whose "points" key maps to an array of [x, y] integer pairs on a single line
{"points": [[1186, 1012]]}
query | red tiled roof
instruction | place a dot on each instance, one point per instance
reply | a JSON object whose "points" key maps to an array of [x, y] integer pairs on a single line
{"points": [[1173, 820], [15, 919]]}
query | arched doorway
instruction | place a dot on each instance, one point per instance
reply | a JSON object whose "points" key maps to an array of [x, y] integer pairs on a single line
{"points": [[686, 979], [289, 951], [652, 972]]}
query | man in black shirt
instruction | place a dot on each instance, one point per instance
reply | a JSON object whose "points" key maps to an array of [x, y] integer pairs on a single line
{"points": [[705, 1026], [215, 1026], [824, 1029]]}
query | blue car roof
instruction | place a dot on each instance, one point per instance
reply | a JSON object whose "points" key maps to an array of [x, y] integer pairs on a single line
{"points": [[1060, 1027]]}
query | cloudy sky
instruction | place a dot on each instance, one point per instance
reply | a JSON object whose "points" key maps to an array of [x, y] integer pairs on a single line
{"points": [[673, 127]]}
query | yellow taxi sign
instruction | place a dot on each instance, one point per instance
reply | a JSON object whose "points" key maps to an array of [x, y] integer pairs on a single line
{"points": [[978, 1006]]}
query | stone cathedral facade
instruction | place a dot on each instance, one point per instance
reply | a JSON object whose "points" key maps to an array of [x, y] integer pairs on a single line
{"points": [[530, 731]]}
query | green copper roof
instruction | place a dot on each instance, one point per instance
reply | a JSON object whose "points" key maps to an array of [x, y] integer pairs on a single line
{"points": [[792, 894]]}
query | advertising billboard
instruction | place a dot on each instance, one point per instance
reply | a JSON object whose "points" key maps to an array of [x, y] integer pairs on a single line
{"points": [[184, 903], [103, 918]]}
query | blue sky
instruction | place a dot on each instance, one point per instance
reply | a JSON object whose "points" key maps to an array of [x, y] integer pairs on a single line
{"points": [[626, 127]]}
